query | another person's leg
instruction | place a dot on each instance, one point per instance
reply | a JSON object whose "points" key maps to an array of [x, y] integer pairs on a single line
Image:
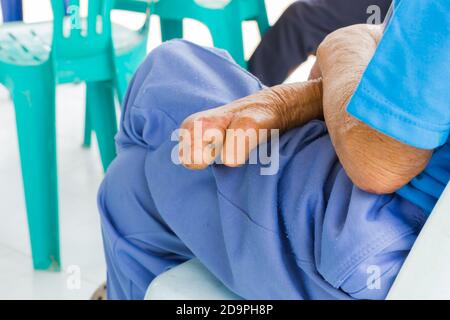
{"points": [[300, 30]]}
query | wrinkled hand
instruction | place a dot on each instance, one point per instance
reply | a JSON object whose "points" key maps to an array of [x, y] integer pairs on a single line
{"points": [[209, 134], [233, 130]]}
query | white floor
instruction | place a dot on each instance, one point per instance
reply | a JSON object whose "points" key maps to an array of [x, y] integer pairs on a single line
{"points": [[80, 174]]}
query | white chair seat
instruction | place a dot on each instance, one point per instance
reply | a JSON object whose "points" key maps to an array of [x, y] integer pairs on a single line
{"points": [[426, 272], [188, 281]]}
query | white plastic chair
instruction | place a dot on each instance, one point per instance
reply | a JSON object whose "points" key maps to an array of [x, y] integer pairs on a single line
{"points": [[424, 275], [188, 281]]}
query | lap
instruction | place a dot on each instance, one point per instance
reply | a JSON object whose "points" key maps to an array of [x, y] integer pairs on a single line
{"points": [[305, 232]]}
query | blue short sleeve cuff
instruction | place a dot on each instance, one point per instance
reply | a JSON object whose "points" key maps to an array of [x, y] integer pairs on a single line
{"points": [[369, 109]]}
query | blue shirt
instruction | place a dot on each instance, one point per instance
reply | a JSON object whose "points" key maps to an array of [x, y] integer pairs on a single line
{"points": [[405, 91]]}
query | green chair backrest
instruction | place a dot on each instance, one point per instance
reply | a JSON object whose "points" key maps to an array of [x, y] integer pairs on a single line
{"points": [[74, 37]]}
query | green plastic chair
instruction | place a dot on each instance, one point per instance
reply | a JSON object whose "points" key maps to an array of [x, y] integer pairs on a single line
{"points": [[34, 58], [222, 17], [130, 59]]}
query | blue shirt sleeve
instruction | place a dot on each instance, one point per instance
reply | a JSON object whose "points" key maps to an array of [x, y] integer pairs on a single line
{"points": [[405, 90]]}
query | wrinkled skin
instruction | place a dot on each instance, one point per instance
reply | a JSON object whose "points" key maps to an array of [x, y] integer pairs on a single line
{"points": [[375, 162], [282, 107]]}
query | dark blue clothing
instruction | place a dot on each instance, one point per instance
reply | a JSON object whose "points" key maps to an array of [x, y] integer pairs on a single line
{"points": [[11, 10]]}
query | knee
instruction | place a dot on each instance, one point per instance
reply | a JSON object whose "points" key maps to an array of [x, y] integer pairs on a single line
{"points": [[124, 200]]}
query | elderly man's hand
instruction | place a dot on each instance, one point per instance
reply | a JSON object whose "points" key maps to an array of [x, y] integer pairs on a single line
{"points": [[374, 161], [233, 130]]}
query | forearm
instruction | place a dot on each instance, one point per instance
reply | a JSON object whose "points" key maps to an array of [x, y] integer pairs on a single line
{"points": [[297, 103], [282, 107]]}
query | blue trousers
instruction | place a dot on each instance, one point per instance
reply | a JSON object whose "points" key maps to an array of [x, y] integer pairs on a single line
{"points": [[305, 232], [301, 29]]}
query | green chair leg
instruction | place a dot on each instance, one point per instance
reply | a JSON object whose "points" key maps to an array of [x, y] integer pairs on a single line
{"points": [[125, 68], [87, 125], [103, 118], [121, 83], [171, 29], [262, 19], [35, 117], [124, 65], [229, 37]]}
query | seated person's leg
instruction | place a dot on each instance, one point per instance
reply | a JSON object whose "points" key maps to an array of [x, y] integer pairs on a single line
{"points": [[138, 244], [304, 233]]}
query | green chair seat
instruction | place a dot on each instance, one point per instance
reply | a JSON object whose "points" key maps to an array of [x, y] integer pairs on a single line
{"points": [[223, 18], [30, 44]]}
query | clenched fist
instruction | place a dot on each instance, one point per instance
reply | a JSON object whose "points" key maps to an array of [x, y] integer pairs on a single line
{"points": [[233, 130]]}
